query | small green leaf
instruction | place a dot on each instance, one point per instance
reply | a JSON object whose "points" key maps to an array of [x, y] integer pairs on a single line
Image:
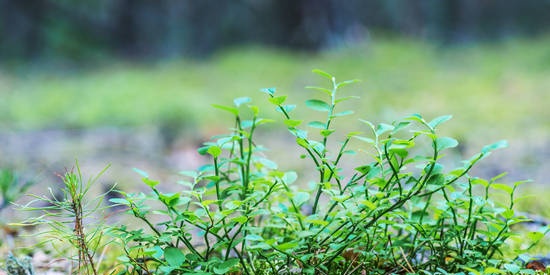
{"points": [[323, 74], [232, 110], [269, 91], [241, 100], [535, 236], [370, 205], [174, 257], [317, 124], [438, 120], [345, 98], [292, 123], [240, 219], [300, 198], [382, 128], [286, 108], [512, 268], [149, 182], [301, 134], [214, 151], [226, 266], [437, 179], [445, 142], [255, 109], [508, 213], [363, 169], [347, 82], [344, 113], [503, 187], [290, 177], [278, 100], [324, 90], [415, 117], [493, 270], [254, 238], [120, 201], [327, 132], [287, 246], [141, 172], [494, 146], [318, 105]]}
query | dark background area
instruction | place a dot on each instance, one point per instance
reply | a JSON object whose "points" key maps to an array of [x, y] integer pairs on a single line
{"points": [[77, 31]]}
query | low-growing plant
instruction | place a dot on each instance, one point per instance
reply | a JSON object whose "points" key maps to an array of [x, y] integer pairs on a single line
{"points": [[75, 226], [401, 210]]}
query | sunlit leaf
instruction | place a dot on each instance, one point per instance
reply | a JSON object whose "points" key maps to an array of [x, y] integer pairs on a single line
{"points": [[292, 123], [232, 110], [278, 100], [323, 74]]}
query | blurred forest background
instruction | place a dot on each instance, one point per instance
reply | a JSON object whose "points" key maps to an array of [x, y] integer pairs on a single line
{"points": [[82, 30], [130, 82]]}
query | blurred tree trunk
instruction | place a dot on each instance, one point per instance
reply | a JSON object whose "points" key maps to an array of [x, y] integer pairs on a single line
{"points": [[124, 33]]}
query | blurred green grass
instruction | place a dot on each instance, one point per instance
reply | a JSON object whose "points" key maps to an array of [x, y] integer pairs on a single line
{"points": [[500, 90]]}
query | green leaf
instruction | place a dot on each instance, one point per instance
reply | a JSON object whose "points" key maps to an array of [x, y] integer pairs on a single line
{"points": [[382, 128], [437, 179], [214, 151], [287, 108], [269, 91], [278, 100], [318, 105], [232, 110], [292, 123], [324, 90], [494, 146], [503, 187], [323, 74], [254, 238], [141, 172], [438, 120], [327, 132], [226, 266], [347, 82], [149, 182], [363, 169], [287, 246], [535, 236], [241, 100], [370, 205], [345, 98], [493, 270], [344, 113], [255, 109], [512, 268], [300, 198], [290, 177], [508, 213], [240, 219], [174, 256], [445, 142], [120, 201], [317, 124]]}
